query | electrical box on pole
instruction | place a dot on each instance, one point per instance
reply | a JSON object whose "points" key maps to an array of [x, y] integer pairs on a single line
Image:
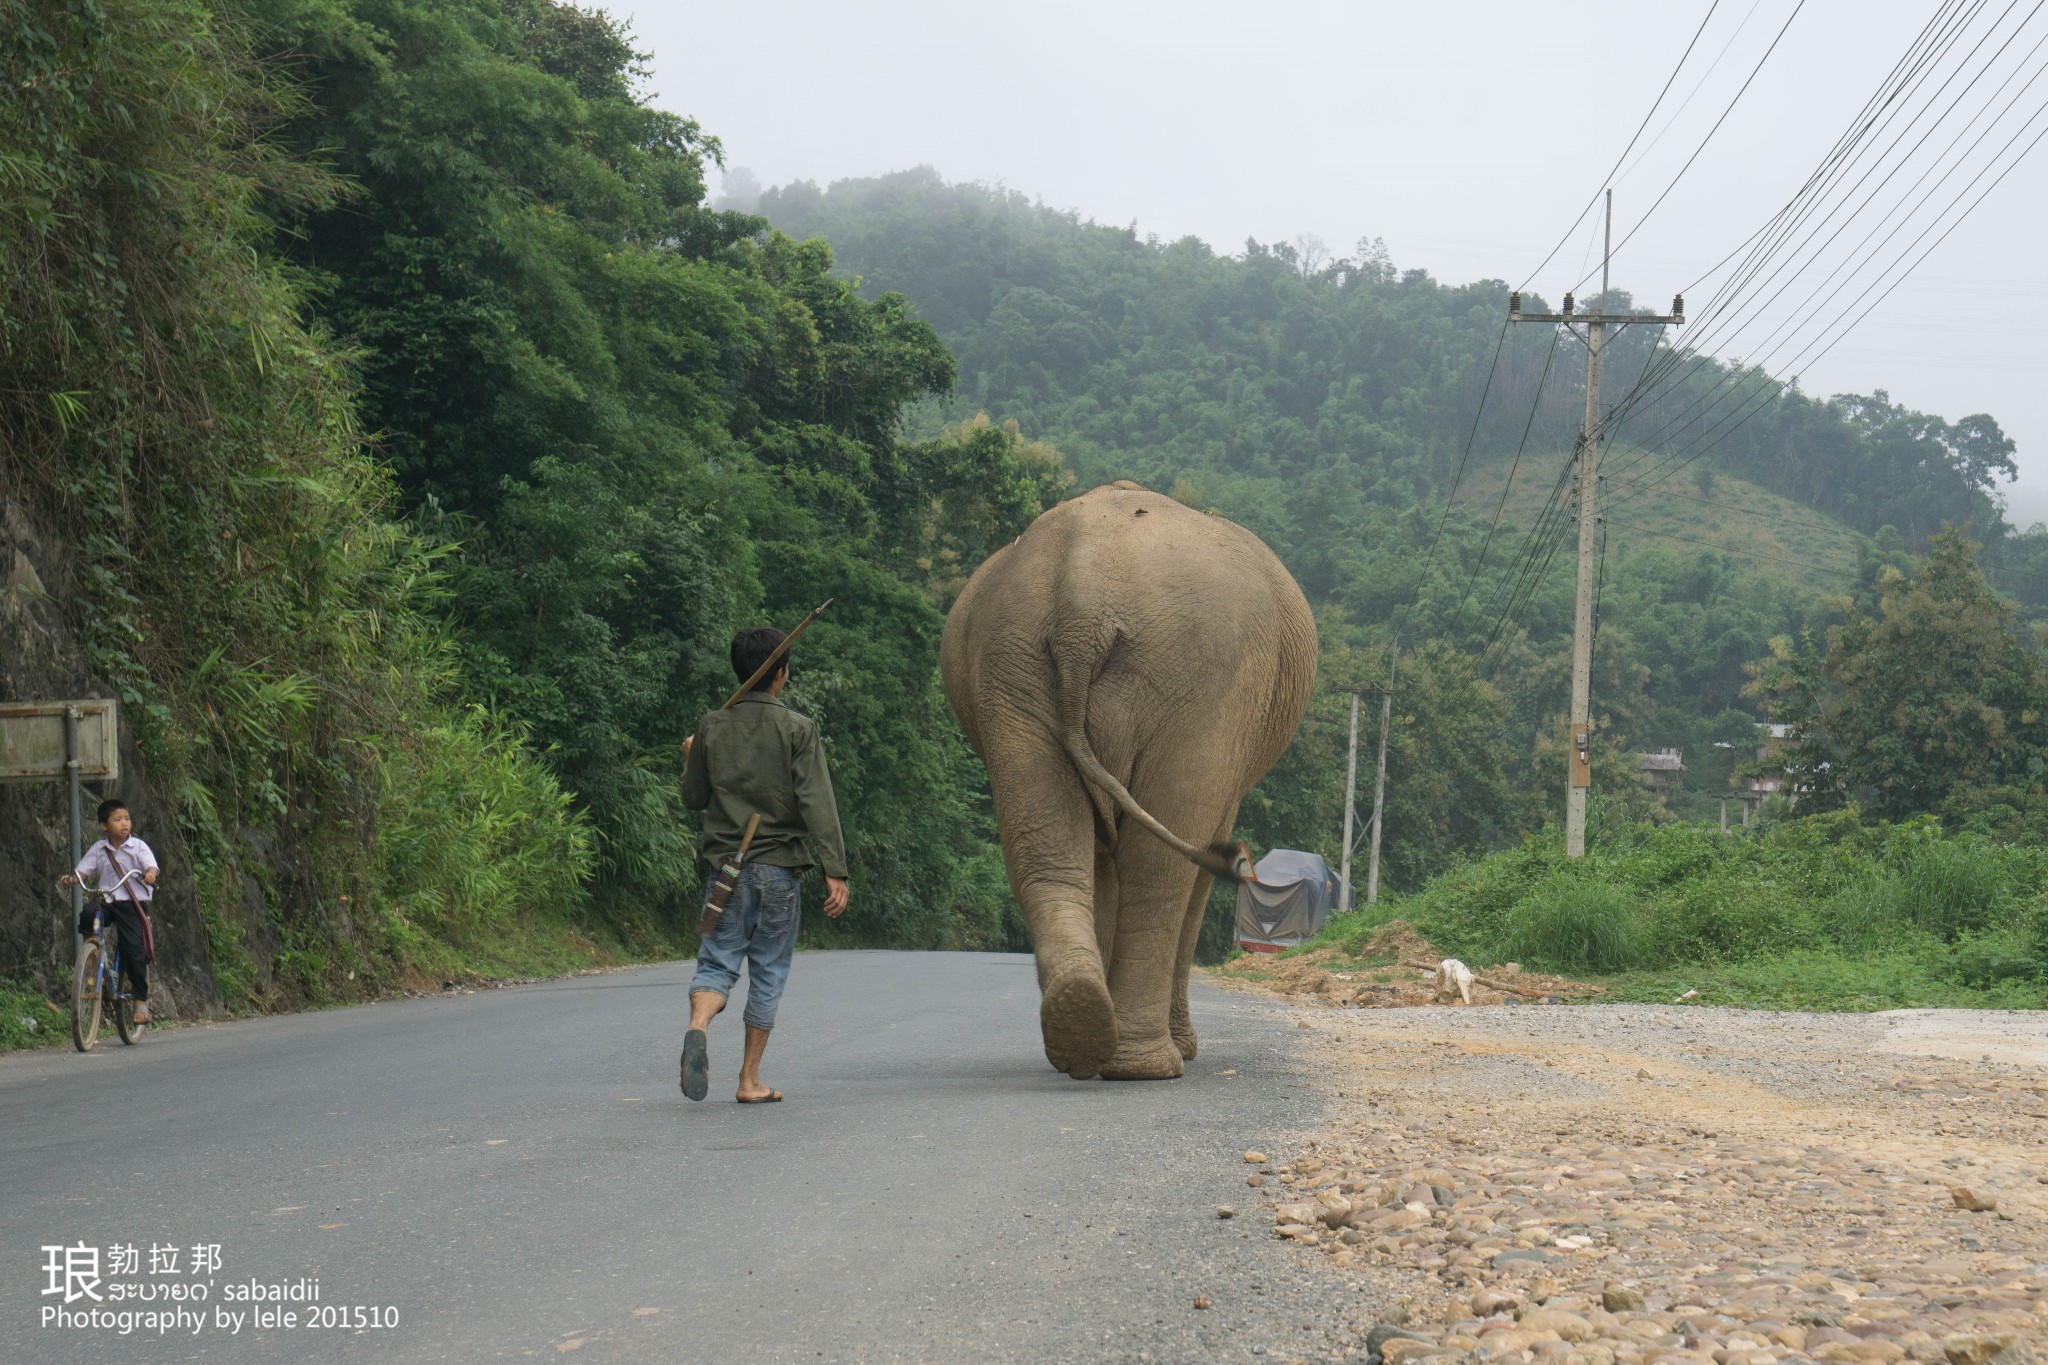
{"points": [[1580, 780]]}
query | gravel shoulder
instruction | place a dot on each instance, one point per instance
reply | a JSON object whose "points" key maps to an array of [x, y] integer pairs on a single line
{"points": [[1613, 1184]]}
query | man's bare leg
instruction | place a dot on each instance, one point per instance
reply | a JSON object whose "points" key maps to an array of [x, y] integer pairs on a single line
{"points": [[696, 1069], [704, 1006], [751, 1087]]}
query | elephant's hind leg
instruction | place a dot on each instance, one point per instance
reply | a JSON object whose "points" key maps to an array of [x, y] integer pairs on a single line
{"points": [[1178, 1021], [1049, 851]]}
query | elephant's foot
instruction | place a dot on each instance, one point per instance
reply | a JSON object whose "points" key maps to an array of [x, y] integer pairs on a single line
{"points": [[1079, 1024], [1183, 1030], [1158, 1060]]}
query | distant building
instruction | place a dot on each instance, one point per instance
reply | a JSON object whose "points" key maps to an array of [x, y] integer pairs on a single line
{"points": [[1773, 743], [1662, 769]]}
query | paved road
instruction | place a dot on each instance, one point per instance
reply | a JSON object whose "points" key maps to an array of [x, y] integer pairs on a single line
{"points": [[515, 1172]]}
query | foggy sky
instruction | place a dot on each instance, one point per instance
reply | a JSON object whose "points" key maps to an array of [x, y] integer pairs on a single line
{"points": [[1466, 134]]}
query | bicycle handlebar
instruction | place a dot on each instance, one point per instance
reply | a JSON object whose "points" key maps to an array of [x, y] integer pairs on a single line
{"points": [[104, 892]]}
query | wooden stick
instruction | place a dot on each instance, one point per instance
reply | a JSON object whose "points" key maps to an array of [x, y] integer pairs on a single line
{"points": [[1490, 984], [768, 664], [781, 651], [753, 823]]}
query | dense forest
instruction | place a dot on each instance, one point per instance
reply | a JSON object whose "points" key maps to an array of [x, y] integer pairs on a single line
{"points": [[416, 433]]}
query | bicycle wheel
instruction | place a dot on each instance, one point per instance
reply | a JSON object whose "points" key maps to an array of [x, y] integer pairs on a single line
{"points": [[123, 1011], [85, 998]]}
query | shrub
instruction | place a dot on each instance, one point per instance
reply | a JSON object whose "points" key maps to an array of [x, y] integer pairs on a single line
{"points": [[1982, 960], [1954, 886], [1869, 915], [475, 832], [1571, 923], [1728, 919]]}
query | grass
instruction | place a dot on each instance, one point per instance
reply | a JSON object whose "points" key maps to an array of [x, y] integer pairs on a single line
{"points": [[1824, 913], [1783, 538], [27, 1018]]}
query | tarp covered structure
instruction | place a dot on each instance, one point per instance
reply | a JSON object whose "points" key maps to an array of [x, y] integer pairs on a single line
{"points": [[1294, 894]]}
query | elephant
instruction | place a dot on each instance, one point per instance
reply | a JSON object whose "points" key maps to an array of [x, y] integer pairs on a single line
{"points": [[1127, 669]]}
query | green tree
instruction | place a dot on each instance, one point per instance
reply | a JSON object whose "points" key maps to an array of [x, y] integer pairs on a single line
{"points": [[1935, 695], [648, 422]]}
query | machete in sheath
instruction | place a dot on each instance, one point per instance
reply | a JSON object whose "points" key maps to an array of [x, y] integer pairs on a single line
{"points": [[726, 882]]}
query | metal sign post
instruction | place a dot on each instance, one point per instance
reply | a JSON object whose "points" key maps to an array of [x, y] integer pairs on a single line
{"points": [[78, 741], [77, 825]]}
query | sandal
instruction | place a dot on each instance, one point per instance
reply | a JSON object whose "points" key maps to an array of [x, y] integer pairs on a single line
{"points": [[772, 1097], [696, 1064]]}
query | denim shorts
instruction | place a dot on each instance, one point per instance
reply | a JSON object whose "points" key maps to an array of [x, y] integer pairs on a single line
{"points": [[758, 929]]}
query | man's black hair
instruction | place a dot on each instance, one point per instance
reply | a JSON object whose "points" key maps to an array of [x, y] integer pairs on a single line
{"points": [[108, 807], [751, 648]]}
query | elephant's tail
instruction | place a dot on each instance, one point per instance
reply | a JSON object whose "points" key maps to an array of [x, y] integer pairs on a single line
{"points": [[1221, 860]]}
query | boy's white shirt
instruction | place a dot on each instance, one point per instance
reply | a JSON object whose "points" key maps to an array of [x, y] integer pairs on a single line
{"points": [[97, 869]]}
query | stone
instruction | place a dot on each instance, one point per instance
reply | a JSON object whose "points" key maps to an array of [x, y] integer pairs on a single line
{"points": [[1399, 1220], [1377, 1339], [1508, 1340], [1988, 1348], [1297, 1213], [1568, 1326], [1400, 1349], [1225, 1211], [1488, 1302], [1255, 1158], [1521, 1256], [1973, 1201], [1255, 1181], [1619, 1298], [1201, 1301]]}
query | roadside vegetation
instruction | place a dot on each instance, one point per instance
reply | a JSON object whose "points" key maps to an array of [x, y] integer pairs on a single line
{"points": [[1826, 912]]}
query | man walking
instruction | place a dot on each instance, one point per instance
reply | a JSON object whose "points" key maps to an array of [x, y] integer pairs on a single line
{"points": [[757, 758]]}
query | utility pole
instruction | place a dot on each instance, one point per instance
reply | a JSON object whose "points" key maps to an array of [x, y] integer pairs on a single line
{"points": [[1379, 785], [1350, 810], [1588, 453]]}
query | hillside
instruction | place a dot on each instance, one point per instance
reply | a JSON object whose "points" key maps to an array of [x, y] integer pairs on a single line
{"points": [[1333, 405], [1719, 513]]}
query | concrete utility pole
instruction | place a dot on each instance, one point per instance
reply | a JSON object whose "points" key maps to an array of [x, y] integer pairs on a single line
{"points": [[1350, 811], [1379, 784], [1597, 323]]}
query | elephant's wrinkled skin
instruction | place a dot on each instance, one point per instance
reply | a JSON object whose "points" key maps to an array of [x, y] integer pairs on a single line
{"points": [[1127, 670]]}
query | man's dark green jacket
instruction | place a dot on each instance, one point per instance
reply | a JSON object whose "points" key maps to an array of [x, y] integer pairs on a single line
{"points": [[762, 758]]}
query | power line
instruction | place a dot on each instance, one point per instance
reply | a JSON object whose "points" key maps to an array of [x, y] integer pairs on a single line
{"points": [[1500, 505], [1608, 179], [1781, 385], [1709, 137], [1459, 477], [1722, 306], [1935, 39]]}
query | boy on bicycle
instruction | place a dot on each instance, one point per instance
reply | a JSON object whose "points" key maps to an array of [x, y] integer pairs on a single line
{"points": [[104, 865]]}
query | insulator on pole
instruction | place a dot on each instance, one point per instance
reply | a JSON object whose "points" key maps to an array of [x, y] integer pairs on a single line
{"points": [[1568, 305], [1678, 305], [1514, 303]]}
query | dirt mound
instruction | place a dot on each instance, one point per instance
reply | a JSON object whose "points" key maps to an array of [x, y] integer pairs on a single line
{"points": [[1395, 968], [1398, 941]]}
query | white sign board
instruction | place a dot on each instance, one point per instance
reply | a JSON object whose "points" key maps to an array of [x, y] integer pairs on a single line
{"points": [[32, 740]]}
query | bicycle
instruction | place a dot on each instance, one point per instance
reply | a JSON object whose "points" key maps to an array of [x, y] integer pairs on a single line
{"points": [[97, 986]]}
